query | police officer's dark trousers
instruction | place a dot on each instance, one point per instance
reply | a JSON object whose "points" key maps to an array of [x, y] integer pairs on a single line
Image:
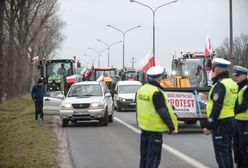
{"points": [[150, 149], [38, 109], [240, 145], [222, 141]]}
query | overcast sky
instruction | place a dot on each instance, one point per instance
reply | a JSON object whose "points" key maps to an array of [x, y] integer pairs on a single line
{"points": [[182, 26]]}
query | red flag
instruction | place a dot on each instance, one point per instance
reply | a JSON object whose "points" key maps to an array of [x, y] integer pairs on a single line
{"points": [[150, 62], [208, 47]]}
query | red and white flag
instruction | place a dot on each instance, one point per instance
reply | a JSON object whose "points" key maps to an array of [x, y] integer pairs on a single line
{"points": [[35, 59], [208, 47], [71, 79], [83, 72], [100, 79], [149, 62]]}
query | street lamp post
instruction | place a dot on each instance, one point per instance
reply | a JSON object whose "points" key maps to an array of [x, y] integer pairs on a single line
{"points": [[108, 47], [153, 19], [123, 34], [99, 54]]}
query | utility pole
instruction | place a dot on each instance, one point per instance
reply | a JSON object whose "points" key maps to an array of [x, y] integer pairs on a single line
{"points": [[231, 32], [133, 61]]}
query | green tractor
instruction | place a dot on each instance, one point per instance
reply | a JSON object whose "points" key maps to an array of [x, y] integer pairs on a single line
{"points": [[56, 72]]}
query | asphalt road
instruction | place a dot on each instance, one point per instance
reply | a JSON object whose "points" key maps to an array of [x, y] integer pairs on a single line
{"points": [[117, 145]]}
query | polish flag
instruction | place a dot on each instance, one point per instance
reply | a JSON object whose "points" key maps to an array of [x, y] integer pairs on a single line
{"points": [[71, 79], [83, 72], [149, 62], [91, 70], [100, 79], [35, 59], [208, 47]]}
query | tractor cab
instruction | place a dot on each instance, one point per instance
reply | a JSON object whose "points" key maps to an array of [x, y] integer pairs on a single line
{"points": [[56, 72]]}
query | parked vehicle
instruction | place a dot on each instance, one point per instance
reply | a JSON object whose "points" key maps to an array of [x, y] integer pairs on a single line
{"points": [[89, 100], [124, 95], [52, 100]]}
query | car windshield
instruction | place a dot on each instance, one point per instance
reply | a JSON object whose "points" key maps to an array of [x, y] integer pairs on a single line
{"points": [[128, 88], [85, 90], [62, 68]]}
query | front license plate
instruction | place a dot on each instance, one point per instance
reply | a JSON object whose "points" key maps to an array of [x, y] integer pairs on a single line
{"points": [[79, 112], [132, 104]]}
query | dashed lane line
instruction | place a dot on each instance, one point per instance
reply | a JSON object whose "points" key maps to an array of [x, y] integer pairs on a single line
{"points": [[168, 148]]}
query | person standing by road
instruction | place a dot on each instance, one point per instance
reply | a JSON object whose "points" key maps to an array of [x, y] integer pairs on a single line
{"points": [[154, 116], [37, 94], [220, 111], [240, 145]]}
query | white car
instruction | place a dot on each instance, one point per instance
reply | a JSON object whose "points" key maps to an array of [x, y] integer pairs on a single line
{"points": [[89, 100], [124, 95]]}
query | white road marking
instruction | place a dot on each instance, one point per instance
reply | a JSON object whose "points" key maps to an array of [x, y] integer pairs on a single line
{"points": [[168, 148]]}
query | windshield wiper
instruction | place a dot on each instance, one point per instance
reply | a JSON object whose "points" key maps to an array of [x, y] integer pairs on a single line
{"points": [[88, 95]]}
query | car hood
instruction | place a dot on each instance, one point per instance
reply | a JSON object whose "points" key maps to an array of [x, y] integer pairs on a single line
{"points": [[127, 95], [75, 100]]}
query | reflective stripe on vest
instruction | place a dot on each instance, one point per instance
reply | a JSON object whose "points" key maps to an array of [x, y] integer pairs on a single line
{"points": [[244, 114], [229, 99], [147, 116]]}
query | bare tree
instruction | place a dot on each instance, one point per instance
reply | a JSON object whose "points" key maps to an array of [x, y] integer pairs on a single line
{"points": [[2, 4], [32, 28], [240, 50]]}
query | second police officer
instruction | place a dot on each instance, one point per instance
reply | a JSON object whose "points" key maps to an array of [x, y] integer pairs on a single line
{"points": [[154, 116], [220, 111], [240, 145]]}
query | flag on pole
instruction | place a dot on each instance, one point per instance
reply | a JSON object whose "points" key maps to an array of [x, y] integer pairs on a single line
{"points": [[83, 72], [208, 47], [35, 59], [100, 79], [149, 62]]}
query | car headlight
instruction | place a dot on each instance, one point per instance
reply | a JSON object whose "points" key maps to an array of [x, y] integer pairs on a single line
{"points": [[122, 99], [66, 106], [96, 105], [186, 73], [173, 72], [57, 81]]}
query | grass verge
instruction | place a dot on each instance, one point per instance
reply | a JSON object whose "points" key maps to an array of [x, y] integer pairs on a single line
{"points": [[25, 142]]}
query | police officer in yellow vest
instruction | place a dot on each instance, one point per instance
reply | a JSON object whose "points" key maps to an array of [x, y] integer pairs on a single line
{"points": [[240, 145], [154, 116], [220, 111]]}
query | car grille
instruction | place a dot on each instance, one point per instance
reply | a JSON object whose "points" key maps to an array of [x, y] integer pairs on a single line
{"points": [[81, 106]]}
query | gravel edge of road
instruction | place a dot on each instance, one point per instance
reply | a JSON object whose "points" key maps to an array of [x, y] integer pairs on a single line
{"points": [[63, 157]]}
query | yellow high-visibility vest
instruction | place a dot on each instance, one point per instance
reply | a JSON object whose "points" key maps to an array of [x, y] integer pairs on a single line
{"points": [[229, 99], [147, 116], [244, 114]]}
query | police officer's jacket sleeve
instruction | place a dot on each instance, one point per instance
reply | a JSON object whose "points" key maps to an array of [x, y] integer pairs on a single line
{"points": [[244, 104], [217, 96], [160, 106]]}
